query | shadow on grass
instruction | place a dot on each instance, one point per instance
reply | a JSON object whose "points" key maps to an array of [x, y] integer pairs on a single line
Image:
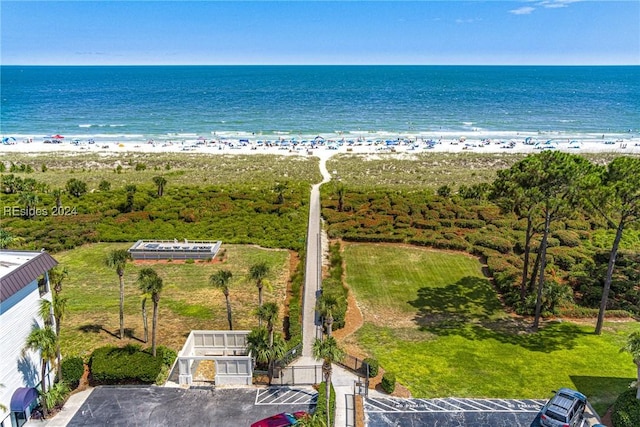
{"points": [[94, 328], [602, 392], [470, 298], [470, 308]]}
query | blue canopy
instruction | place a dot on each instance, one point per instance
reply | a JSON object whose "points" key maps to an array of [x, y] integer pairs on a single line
{"points": [[22, 398]]}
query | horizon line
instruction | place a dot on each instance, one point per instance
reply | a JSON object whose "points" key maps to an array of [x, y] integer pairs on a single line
{"points": [[326, 65]]}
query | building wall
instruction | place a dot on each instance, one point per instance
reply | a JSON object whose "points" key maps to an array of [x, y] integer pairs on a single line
{"points": [[18, 316]]}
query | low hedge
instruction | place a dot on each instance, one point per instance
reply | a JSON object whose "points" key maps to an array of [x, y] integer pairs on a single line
{"points": [[125, 365], [72, 369], [626, 410], [321, 407]]}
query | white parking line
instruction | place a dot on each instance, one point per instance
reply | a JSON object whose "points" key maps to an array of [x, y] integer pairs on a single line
{"points": [[451, 405], [285, 397]]}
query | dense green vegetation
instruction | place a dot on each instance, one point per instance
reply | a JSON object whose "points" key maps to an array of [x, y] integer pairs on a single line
{"points": [[438, 325], [130, 365], [626, 410], [72, 368], [261, 201]]}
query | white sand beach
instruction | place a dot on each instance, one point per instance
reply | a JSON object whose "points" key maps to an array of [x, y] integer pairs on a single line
{"points": [[325, 148]]}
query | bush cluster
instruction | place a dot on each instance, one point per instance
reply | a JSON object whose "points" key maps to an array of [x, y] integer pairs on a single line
{"points": [[373, 366], [72, 369], [321, 407], [332, 286], [125, 365], [388, 383], [626, 410]]}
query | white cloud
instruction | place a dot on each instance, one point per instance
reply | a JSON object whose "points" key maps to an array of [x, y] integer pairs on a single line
{"points": [[468, 20], [547, 4], [525, 10], [554, 4]]}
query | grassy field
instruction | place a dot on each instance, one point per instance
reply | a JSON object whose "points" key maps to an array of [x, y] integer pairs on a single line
{"points": [[187, 301], [427, 170], [432, 319], [177, 168]]}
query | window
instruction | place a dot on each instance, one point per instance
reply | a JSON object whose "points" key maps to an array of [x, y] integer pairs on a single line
{"points": [[43, 285]]}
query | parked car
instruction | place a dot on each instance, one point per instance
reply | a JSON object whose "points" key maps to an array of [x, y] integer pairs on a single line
{"points": [[564, 409], [284, 419]]}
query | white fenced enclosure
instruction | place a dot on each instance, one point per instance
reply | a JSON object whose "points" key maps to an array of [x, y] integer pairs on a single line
{"points": [[226, 349]]}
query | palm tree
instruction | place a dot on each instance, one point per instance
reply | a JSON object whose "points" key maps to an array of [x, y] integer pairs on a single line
{"points": [[57, 194], [258, 272], [160, 182], [269, 314], [258, 345], [220, 280], [329, 351], [29, 200], [53, 312], [131, 192], [280, 188], [633, 347], [326, 305], [56, 277], [145, 323], [42, 341], [150, 283], [117, 259], [340, 191]]}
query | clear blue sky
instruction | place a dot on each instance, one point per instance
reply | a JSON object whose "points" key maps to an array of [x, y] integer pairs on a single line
{"points": [[554, 32]]}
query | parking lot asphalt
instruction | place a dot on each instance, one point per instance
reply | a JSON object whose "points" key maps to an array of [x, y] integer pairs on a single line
{"points": [[159, 406], [451, 412]]}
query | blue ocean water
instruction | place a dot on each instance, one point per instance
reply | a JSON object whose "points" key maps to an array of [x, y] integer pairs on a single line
{"points": [[146, 102]]}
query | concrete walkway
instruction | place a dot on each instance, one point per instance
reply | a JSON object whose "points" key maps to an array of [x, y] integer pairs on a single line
{"points": [[343, 380], [63, 417]]}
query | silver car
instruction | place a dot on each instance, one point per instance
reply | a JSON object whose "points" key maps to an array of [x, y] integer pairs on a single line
{"points": [[565, 409]]}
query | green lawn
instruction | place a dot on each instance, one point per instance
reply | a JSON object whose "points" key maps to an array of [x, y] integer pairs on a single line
{"points": [[431, 319], [187, 301]]}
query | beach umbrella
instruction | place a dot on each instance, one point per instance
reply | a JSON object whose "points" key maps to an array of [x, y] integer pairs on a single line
{"points": [[57, 136], [7, 139]]}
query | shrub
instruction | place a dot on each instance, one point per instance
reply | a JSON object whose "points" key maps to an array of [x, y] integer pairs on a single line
{"points": [[167, 355], [626, 410], [72, 369], [497, 243], [321, 407], [469, 223], [140, 166], [373, 366], [76, 188], [124, 365], [104, 185], [56, 395], [568, 238], [388, 383]]}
